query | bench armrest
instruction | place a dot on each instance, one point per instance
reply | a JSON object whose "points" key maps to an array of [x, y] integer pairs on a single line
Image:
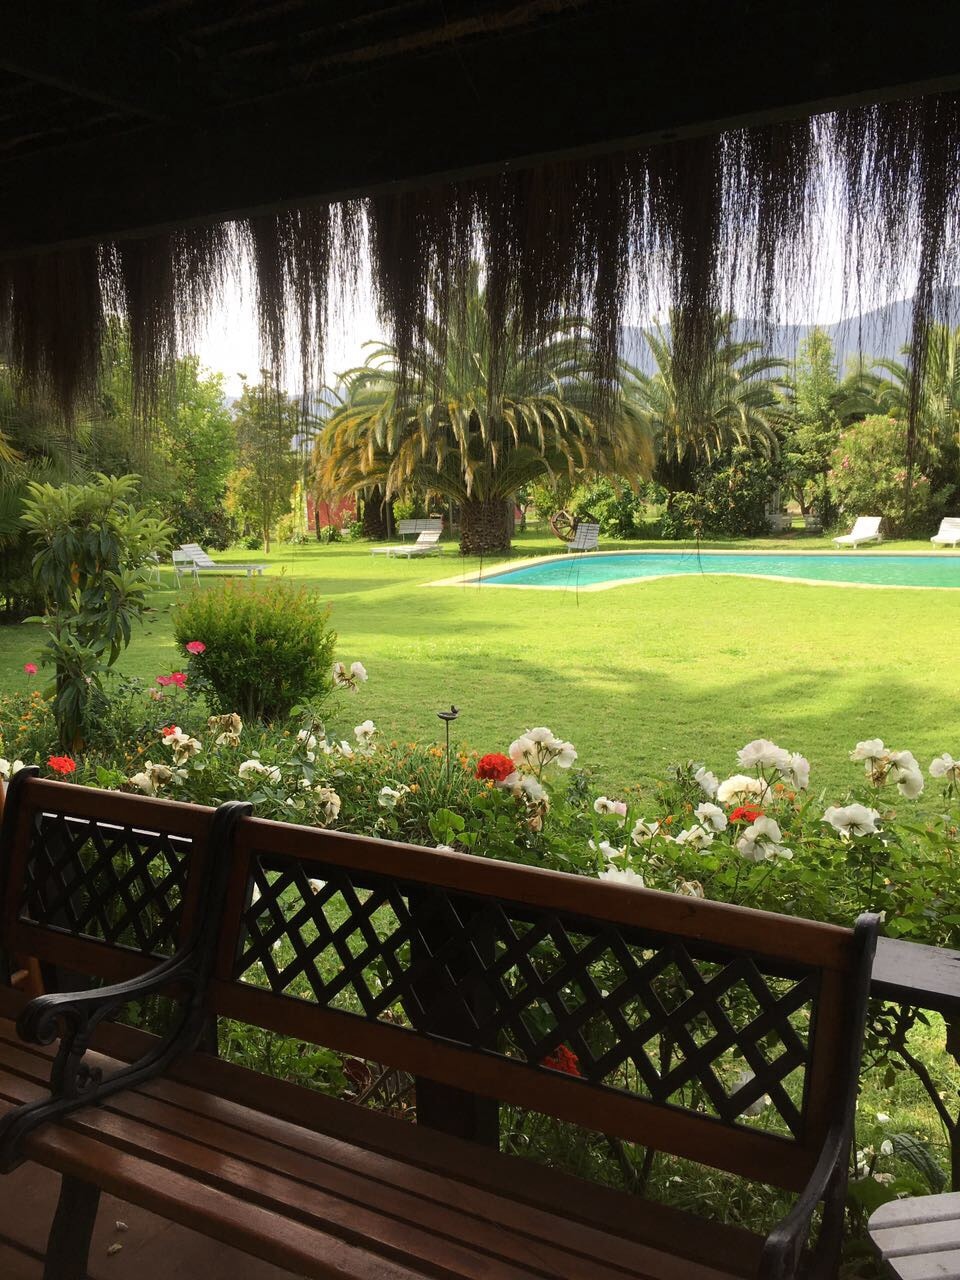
{"points": [[73, 1016], [781, 1256], [782, 1250]]}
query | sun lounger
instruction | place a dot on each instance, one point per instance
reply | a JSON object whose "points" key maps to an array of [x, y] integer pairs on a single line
{"points": [[948, 535], [202, 563], [428, 540], [865, 529], [586, 538]]}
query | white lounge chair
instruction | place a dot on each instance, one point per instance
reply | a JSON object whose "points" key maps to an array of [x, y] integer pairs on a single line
{"points": [[948, 535], [586, 538], [427, 541], [203, 564], [865, 529]]}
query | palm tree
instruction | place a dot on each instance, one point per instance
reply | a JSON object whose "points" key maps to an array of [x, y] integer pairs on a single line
{"points": [[732, 401], [887, 386], [483, 419]]}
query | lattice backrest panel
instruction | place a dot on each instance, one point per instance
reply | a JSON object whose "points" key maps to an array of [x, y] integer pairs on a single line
{"points": [[105, 881], [706, 1029]]}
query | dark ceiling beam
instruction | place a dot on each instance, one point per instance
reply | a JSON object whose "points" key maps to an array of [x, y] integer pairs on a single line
{"points": [[620, 74], [88, 48]]}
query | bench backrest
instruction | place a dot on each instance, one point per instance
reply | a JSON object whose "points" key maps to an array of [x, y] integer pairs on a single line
{"points": [[97, 882], [657, 1018], [950, 524], [422, 524]]}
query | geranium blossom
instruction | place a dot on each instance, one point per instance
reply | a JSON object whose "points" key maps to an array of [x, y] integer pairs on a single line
{"points": [[494, 767], [7, 770], [195, 647], [606, 807], [62, 764], [945, 767], [707, 781], [711, 816], [852, 819], [622, 875], [563, 1059], [761, 842], [746, 813], [741, 788], [763, 754], [256, 768], [30, 668]]}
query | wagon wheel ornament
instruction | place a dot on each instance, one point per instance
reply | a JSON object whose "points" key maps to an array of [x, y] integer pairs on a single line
{"points": [[564, 525]]}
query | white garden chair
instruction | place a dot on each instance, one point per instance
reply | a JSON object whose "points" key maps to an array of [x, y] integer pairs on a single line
{"points": [[204, 564], [865, 529]]}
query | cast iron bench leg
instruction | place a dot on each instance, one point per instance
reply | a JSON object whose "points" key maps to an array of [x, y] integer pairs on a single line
{"points": [[68, 1246]]}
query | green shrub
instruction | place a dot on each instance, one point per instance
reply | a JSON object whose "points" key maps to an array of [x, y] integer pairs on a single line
{"points": [[868, 477], [619, 510], [267, 646]]}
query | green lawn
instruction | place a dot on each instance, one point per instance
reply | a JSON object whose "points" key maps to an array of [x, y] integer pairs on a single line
{"points": [[635, 676]]}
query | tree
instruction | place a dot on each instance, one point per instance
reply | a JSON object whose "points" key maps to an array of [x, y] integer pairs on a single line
{"points": [[732, 402], [814, 401], [261, 486], [474, 433]]}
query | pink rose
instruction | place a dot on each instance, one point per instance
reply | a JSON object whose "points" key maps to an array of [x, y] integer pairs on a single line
{"points": [[195, 646], [30, 668]]}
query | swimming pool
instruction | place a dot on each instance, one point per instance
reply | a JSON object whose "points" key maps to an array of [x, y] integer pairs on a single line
{"points": [[595, 572]]}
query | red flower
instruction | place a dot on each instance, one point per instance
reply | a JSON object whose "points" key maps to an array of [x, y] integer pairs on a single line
{"points": [[195, 646], [30, 668], [171, 728], [178, 678], [495, 767], [563, 1059], [62, 764], [746, 813]]}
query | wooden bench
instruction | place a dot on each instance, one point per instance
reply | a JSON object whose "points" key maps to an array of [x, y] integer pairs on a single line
{"points": [[635, 1014], [421, 524]]}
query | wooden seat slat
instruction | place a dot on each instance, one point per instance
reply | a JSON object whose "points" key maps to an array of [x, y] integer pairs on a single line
{"points": [[919, 1238], [440, 1205]]}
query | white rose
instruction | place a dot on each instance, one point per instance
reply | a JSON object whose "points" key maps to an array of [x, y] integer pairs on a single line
{"points": [[711, 815], [763, 754], [566, 755], [542, 736], [697, 837], [871, 749], [522, 750], [329, 801], [906, 773], [797, 772], [605, 807], [644, 831], [761, 842], [7, 770], [852, 819], [622, 875], [942, 767], [607, 849], [690, 889], [307, 739], [389, 797], [754, 1108], [533, 790], [741, 788], [707, 781], [142, 781], [358, 671]]}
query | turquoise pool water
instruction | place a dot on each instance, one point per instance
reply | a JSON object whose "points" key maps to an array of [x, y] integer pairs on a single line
{"points": [[873, 570]]}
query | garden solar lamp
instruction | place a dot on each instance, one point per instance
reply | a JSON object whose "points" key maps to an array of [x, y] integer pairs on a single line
{"points": [[447, 717]]}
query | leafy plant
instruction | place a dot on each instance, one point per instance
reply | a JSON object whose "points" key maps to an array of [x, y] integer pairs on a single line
{"points": [[266, 647], [89, 569]]}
